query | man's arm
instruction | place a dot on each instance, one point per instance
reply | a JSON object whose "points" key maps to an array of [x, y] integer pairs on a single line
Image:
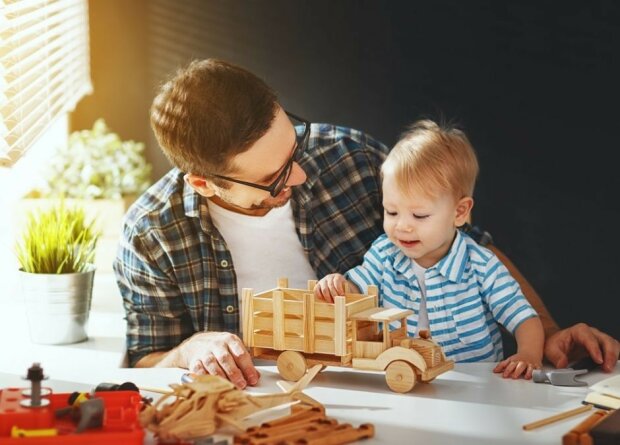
{"points": [[158, 320]]}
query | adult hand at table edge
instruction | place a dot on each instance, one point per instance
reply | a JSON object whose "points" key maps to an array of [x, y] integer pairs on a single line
{"points": [[578, 341], [215, 353]]}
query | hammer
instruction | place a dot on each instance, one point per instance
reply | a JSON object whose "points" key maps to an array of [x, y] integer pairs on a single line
{"points": [[560, 377], [566, 376]]}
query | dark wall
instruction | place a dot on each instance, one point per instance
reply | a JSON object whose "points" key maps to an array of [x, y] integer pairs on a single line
{"points": [[533, 84]]}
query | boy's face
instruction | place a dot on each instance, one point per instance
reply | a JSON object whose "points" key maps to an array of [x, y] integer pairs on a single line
{"points": [[421, 226], [260, 164]]}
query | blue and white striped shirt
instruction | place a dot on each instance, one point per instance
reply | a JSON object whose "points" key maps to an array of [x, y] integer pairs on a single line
{"points": [[468, 292]]}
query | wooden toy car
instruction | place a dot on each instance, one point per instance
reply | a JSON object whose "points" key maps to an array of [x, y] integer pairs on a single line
{"points": [[292, 327]]}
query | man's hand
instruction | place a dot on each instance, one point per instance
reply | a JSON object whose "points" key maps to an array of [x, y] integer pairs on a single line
{"points": [[218, 353], [578, 341]]}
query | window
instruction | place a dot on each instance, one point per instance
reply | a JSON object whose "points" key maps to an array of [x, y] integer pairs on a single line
{"points": [[44, 68]]}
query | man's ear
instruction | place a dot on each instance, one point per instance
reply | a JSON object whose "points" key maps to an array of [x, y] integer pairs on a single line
{"points": [[200, 184], [463, 211]]}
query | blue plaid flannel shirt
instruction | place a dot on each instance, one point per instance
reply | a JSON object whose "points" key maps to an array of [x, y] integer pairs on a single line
{"points": [[175, 273]]}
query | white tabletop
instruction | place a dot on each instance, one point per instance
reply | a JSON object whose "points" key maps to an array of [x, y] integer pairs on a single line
{"points": [[468, 405]]}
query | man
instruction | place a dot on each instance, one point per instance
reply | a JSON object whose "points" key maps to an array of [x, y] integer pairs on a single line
{"points": [[256, 193]]}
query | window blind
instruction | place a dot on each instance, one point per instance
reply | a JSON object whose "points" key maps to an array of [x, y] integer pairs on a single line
{"points": [[44, 68]]}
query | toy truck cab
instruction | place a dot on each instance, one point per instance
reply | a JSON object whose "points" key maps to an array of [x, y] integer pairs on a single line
{"points": [[404, 359]]}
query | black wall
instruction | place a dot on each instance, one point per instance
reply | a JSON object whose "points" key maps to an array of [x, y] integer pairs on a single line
{"points": [[533, 84]]}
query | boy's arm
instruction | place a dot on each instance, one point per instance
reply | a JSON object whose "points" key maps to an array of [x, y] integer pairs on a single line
{"points": [[530, 339], [549, 325], [530, 343]]}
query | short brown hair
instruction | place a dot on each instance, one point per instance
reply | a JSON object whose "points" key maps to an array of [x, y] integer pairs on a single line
{"points": [[433, 159], [209, 112]]}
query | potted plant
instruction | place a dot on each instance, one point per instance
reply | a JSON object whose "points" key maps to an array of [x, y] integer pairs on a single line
{"points": [[103, 174], [56, 254]]}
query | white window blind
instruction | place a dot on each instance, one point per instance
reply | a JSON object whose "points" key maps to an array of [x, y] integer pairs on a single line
{"points": [[44, 68]]}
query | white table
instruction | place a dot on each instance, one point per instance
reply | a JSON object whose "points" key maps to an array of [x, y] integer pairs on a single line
{"points": [[469, 405]]}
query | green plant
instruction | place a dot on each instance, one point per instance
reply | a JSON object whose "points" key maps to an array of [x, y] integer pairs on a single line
{"points": [[57, 240], [96, 163]]}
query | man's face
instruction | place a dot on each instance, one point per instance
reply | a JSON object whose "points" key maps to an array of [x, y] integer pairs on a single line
{"points": [[422, 227], [261, 164]]}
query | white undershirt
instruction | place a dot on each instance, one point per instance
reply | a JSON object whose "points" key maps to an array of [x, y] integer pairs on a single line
{"points": [[423, 314], [263, 248]]}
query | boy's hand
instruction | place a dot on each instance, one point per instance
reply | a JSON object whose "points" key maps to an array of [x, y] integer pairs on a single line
{"points": [[519, 364], [330, 286]]}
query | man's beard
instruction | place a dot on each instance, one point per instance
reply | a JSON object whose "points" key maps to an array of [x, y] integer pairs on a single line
{"points": [[272, 203]]}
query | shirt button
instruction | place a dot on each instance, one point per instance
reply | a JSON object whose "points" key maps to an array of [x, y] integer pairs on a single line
{"points": [[224, 263], [230, 309]]}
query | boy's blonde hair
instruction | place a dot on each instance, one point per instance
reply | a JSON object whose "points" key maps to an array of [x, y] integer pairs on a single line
{"points": [[433, 159]]}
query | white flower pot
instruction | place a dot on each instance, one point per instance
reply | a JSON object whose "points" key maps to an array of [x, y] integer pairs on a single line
{"points": [[57, 305]]}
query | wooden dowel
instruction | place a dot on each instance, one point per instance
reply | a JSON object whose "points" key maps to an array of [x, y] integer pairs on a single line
{"points": [[163, 391], [557, 417], [155, 390]]}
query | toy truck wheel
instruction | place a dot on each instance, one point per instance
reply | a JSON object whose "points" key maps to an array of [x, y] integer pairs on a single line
{"points": [[400, 376], [292, 365]]}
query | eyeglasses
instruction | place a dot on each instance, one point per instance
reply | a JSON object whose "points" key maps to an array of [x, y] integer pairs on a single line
{"points": [[279, 183]]}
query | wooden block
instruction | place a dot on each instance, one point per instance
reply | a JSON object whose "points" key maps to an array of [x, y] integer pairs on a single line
{"points": [[300, 415], [278, 320], [340, 326], [342, 434], [323, 310], [291, 325], [374, 292], [248, 316], [311, 284], [282, 283], [607, 431], [360, 305], [579, 435], [309, 324]]}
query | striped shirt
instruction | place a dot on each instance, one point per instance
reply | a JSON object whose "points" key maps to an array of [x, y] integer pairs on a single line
{"points": [[175, 272], [468, 292]]}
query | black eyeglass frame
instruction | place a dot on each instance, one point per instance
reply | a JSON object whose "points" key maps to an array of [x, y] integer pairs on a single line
{"points": [[279, 183]]}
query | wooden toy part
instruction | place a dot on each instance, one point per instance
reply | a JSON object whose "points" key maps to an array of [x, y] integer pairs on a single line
{"points": [[580, 434], [400, 376], [304, 426], [209, 402], [291, 365], [297, 330]]}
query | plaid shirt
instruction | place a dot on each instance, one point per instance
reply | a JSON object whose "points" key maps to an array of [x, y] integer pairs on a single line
{"points": [[175, 272]]}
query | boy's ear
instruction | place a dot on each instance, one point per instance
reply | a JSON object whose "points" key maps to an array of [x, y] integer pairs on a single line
{"points": [[463, 211], [200, 184]]}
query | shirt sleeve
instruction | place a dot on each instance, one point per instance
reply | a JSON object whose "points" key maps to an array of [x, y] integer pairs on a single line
{"points": [[369, 272], [504, 296], [157, 319]]}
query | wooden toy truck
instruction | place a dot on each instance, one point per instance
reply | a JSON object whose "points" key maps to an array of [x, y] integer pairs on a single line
{"points": [[290, 326]]}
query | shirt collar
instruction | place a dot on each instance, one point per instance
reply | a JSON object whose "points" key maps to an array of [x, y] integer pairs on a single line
{"points": [[195, 206], [450, 266], [301, 193], [453, 264]]}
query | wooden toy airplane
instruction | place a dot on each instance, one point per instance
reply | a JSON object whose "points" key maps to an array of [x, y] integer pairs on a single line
{"points": [[208, 403]]}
